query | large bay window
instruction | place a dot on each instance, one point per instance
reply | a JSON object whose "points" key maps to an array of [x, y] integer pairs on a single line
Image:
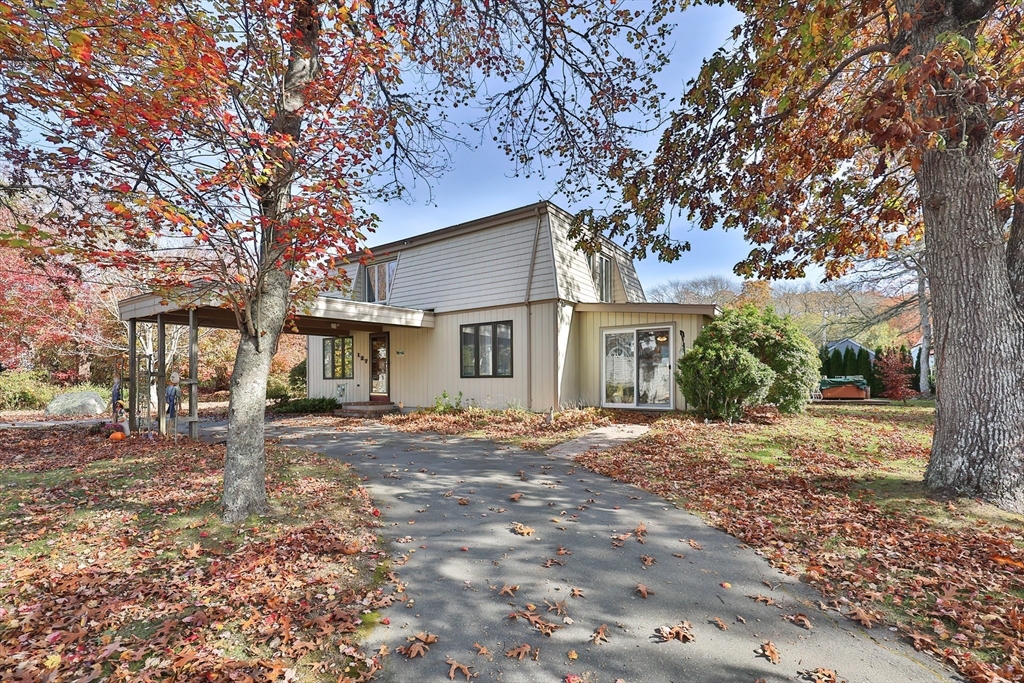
{"points": [[486, 349]]}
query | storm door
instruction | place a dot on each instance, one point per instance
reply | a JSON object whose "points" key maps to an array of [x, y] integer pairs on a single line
{"points": [[380, 370]]}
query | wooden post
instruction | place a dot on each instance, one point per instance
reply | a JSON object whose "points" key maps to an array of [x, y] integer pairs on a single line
{"points": [[133, 378], [193, 374], [161, 374]]}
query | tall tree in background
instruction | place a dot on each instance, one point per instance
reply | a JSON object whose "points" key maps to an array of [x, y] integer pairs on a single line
{"points": [[711, 289], [255, 132], [828, 131]]}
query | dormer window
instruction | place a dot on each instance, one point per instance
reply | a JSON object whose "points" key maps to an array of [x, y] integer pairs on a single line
{"points": [[601, 266], [379, 278]]}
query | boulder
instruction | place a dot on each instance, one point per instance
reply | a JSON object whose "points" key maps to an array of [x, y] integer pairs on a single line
{"points": [[77, 403]]}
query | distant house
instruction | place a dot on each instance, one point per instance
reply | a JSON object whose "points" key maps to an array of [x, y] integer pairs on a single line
{"points": [[848, 343], [518, 317]]}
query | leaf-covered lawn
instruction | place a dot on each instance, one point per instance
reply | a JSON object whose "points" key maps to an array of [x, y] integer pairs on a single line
{"points": [[114, 565], [525, 429], [836, 497]]}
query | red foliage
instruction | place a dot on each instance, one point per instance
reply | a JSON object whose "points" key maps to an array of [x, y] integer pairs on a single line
{"points": [[893, 368]]}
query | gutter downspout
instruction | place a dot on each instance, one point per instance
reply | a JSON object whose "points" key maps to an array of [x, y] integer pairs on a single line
{"points": [[529, 316]]}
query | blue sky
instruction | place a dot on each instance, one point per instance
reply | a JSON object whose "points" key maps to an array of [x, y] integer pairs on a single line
{"points": [[479, 183]]}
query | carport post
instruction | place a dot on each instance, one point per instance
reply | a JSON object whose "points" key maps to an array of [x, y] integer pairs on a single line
{"points": [[193, 374], [133, 377], [161, 374]]}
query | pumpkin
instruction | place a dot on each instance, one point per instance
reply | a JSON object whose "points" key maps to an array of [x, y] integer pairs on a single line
{"points": [[116, 436]]}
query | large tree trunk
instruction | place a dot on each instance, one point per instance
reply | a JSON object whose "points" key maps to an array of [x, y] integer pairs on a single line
{"points": [[978, 448], [245, 491]]}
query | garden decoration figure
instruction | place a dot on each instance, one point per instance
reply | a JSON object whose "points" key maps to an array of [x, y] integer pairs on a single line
{"points": [[115, 397], [173, 398]]}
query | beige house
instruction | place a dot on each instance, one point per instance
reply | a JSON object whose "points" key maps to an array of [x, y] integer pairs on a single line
{"points": [[504, 311]]}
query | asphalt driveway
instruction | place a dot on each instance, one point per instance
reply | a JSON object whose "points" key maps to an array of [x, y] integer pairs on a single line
{"points": [[451, 506]]}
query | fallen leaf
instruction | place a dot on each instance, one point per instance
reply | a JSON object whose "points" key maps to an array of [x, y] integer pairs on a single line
{"points": [[643, 590], [562, 551], [520, 652], [647, 561], [920, 641], [600, 634], [720, 624], [522, 529], [576, 593], [820, 675], [455, 666], [463, 501], [515, 497], [571, 654], [695, 545], [799, 620], [508, 590], [682, 632], [481, 650], [413, 650], [862, 616], [769, 651]]}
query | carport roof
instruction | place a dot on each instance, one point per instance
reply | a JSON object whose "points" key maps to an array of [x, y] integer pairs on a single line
{"points": [[325, 316]]}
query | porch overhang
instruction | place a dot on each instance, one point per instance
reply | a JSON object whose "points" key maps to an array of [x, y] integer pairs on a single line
{"points": [[325, 316]]}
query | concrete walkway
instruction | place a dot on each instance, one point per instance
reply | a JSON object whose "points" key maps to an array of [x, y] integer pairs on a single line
{"points": [[447, 508]]}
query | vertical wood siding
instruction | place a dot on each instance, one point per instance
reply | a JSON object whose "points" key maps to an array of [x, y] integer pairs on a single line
{"points": [[426, 362], [588, 326], [357, 388]]}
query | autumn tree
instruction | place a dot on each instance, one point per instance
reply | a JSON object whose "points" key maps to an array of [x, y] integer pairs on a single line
{"points": [[892, 368], [258, 132], [829, 131]]}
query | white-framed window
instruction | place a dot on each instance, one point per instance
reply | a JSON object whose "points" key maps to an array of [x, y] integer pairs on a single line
{"points": [[636, 367], [601, 267], [379, 278]]}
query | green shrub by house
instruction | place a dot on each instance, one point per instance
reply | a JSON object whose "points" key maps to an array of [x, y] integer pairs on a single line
{"points": [[772, 340], [720, 379]]}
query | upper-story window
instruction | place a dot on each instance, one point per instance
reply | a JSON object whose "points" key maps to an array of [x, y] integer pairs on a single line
{"points": [[601, 266], [379, 278]]}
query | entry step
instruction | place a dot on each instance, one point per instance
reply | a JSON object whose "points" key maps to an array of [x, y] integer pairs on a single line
{"points": [[365, 409]]}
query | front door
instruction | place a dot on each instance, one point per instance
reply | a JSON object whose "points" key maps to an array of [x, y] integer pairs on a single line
{"points": [[380, 357]]}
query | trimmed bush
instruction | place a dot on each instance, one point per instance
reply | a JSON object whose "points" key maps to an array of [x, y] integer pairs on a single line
{"points": [[307, 405], [776, 342], [720, 379], [849, 362]]}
